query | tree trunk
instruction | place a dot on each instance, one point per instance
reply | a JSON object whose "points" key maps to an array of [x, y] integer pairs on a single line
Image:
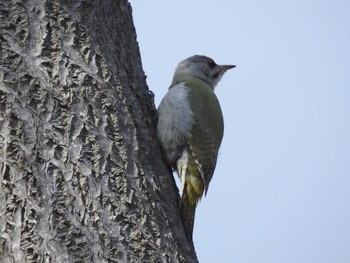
{"points": [[81, 174]]}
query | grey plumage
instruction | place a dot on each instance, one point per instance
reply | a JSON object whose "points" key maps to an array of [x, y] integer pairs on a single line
{"points": [[190, 129]]}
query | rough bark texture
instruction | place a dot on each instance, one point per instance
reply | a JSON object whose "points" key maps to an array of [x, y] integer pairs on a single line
{"points": [[81, 175]]}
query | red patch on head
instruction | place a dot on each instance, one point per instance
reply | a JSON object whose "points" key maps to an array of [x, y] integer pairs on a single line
{"points": [[211, 63], [210, 60]]}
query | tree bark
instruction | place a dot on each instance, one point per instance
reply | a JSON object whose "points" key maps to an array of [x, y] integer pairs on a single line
{"points": [[81, 174]]}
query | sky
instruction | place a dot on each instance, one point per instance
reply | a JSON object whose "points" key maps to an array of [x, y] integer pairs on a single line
{"points": [[281, 188]]}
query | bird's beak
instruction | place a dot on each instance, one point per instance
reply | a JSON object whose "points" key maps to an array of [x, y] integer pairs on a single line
{"points": [[224, 68]]}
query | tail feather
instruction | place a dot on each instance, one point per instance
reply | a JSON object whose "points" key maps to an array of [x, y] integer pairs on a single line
{"points": [[187, 212]]}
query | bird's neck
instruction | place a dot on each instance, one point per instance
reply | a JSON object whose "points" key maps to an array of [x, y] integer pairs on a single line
{"points": [[189, 81]]}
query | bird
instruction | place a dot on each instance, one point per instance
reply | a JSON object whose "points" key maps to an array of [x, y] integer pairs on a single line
{"points": [[190, 129]]}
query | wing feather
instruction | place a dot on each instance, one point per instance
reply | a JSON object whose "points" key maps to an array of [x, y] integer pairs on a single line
{"points": [[207, 129]]}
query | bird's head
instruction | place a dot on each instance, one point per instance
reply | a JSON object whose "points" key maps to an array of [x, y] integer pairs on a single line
{"points": [[201, 67]]}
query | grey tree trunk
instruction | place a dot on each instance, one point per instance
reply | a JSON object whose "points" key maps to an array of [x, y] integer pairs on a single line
{"points": [[81, 175]]}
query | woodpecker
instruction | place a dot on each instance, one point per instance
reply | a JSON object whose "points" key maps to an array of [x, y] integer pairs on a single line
{"points": [[190, 129]]}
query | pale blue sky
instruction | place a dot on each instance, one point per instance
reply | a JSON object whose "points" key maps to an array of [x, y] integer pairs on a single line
{"points": [[281, 189]]}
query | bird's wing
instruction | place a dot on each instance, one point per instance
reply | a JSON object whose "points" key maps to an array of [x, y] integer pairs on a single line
{"points": [[207, 129]]}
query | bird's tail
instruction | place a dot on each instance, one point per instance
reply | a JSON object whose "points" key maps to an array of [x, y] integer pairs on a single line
{"points": [[187, 212]]}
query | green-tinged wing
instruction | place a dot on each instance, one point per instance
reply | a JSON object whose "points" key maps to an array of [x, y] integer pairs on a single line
{"points": [[208, 128]]}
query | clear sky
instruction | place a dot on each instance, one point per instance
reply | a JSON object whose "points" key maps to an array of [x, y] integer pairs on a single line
{"points": [[281, 189]]}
